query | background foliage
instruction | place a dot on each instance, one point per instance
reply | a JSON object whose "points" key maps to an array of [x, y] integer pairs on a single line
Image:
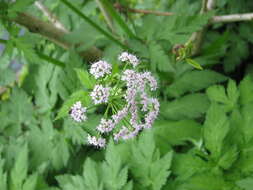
{"points": [[203, 139]]}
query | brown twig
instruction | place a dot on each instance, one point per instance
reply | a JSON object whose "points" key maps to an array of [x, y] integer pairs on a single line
{"points": [[54, 34], [122, 8]]}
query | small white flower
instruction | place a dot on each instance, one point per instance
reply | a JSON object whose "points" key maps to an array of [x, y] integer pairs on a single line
{"points": [[120, 115], [105, 126], [150, 79], [100, 94], [125, 56], [98, 142], [100, 69], [77, 112]]}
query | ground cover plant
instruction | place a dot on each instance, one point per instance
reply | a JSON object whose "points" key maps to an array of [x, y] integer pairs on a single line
{"points": [[126, 95]]}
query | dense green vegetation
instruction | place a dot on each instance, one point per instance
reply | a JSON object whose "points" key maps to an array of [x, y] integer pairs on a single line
{"points": [[203, 136]]}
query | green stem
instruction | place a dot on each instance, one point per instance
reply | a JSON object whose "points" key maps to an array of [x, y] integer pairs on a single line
{"points": [[97, 27], [50, 59], [3, 41], [107, 109]]}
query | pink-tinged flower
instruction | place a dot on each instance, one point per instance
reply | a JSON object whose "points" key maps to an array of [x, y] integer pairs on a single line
{"points": [[98, 142], [123, 131], [77, 112], [152, 115], [120, 115], [144, 101], [100, 94], [100, 69], [133, 60], [105, 126], [147, 76], [125, 56]]}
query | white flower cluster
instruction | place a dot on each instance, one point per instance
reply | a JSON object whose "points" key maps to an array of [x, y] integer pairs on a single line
{"points": [[99, 142], [125, 56], [77, 112], [100, 94], [132, 109], [100, 69]]}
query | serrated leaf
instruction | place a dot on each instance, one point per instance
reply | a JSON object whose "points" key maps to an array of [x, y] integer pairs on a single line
{"points": [[228, 158], [19, 109], [7, 77], [246, 90], [60, 153], [114, 173], [85, 79], [228, 98], [215, 129], [186, 165], [245, 184], [148, 168], [159, 171], [193, 81], [90, 175], [20, 168], [176, 132], [3, 176], [30, 182], [187, 107], [159, 60]]}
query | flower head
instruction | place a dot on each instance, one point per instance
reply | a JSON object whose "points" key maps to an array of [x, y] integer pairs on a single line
{"points": [[100, 69], [99, 142], [125, 56], [77, 112], [100, 94], [105, 126]]}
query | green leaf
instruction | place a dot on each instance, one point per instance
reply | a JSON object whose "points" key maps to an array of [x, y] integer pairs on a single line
{"points": [[19, 6], [246, 90], [194, 81], [215, 129], [85, 78], [75, 132], [218, 94], [60, 153], [90, 174], [194, 64], [3, 176], [7, 77], [245, 184], [147, 166], [20, 168], [187, 165], [19, 110], [228, 158], [247, 121], [176, 132], [205, 181], [187, 107], [30, 183], [114, 173], [159, 60]]}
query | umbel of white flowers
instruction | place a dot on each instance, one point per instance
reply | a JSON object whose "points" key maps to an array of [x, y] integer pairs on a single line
{"points": [[137, 110]]}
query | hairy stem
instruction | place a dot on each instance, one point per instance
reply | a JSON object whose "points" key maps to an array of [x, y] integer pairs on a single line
{"points": [[51, 17], [54, 34], [108, 18], [232, 18]]}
